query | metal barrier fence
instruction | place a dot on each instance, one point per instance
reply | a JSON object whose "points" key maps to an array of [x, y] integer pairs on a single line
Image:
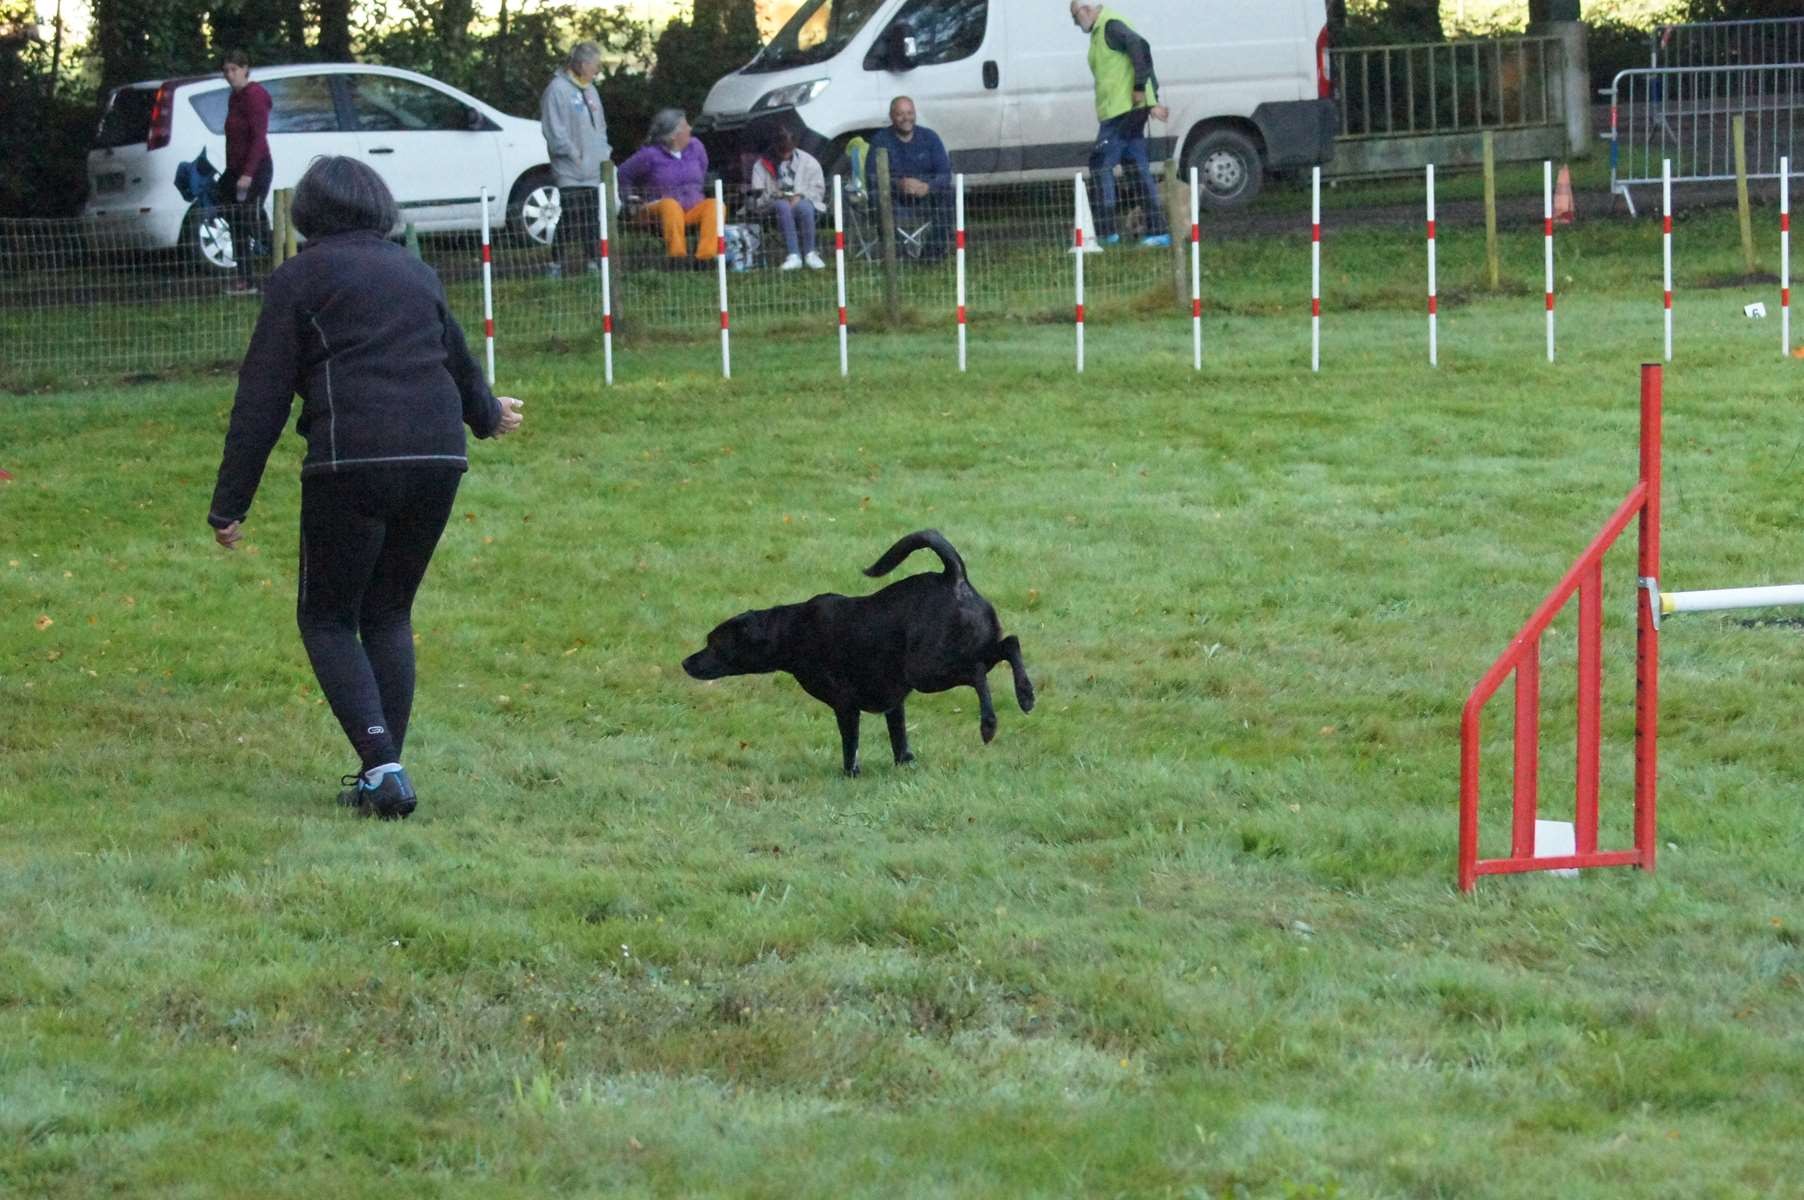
{"points": [[71, 303], [1728, 43], [1687, 115], [1449, 87]]}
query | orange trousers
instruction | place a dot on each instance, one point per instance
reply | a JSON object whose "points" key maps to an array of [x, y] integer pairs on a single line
{"points": [[671, 219]]}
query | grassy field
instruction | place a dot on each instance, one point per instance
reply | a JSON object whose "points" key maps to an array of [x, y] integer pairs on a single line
{"points": [[1189, 929]]}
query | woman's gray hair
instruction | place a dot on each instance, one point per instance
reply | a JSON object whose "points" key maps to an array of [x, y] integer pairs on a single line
{"points": [[663, 125], [584, 52]]}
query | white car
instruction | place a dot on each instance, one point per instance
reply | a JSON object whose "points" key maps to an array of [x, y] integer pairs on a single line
{"points": [[435, 146]]}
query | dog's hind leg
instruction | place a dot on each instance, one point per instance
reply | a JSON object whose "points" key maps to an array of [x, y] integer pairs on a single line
{"points": [[986, 711], [1009, 650], [848, 737], [898, 733]]}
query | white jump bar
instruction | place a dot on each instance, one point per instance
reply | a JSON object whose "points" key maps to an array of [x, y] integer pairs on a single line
{"points": [[1748, 597]]}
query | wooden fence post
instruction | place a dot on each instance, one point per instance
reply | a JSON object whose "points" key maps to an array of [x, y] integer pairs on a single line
{"points": [[1741, 193], [886, 225], [1492, 263], [1177, 216]]}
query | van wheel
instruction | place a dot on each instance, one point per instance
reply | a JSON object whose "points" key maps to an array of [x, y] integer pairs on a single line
{"points": [[209, 239], [1228, 169], [534, 208]]}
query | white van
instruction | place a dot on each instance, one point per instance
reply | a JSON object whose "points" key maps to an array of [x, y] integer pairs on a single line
{"points": [[1006, 84], [434, 146]]}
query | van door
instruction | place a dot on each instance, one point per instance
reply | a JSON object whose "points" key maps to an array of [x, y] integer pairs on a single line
{"points": [[954, 80], [433, 150], [1049, 100]]}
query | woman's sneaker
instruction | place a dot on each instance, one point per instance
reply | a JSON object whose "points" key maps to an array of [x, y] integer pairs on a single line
{"points": [[390, 799], [792, 263], [814, 261]]}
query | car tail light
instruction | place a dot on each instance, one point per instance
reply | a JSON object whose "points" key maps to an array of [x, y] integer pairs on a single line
{"points": [[160, 114], [1324, 85]]}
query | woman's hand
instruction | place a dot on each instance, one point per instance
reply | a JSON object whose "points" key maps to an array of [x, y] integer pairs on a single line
{"points": [[230, 535], [510, 418]]}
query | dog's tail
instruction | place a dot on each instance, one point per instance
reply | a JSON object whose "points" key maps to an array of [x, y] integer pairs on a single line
{"points": [[924, 539]]}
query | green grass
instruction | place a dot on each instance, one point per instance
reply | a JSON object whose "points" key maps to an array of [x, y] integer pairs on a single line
{"points": [[1188, 929]]}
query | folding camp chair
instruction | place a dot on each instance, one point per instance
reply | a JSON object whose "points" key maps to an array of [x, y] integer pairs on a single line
{"points": [[864, 229]]}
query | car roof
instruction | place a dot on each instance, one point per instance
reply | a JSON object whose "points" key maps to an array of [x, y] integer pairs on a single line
{"points": [[282, 70]]}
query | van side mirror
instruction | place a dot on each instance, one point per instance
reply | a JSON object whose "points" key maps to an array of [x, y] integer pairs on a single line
{"points": [[899, 39]]}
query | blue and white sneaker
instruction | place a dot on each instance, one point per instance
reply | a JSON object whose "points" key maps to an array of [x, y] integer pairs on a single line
{"points": [[1156, 239], [390, 799], [1108, 239]]}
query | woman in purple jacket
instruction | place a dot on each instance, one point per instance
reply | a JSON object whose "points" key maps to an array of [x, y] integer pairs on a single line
{"points": [[667, 175]]}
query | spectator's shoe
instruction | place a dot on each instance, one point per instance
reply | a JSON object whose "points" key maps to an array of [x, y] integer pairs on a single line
{"points": [[241, 287], [554, 270], [391, 799], [813, 259], [1109, 239], [792, 263], [1156, 239]]}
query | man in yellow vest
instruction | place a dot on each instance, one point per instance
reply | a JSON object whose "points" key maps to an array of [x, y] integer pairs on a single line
{"points": [[1127, 93]]}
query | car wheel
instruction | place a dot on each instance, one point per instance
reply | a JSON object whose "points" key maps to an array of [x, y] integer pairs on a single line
{"points": [[208, 238], [535, 210], [1228, 169]]}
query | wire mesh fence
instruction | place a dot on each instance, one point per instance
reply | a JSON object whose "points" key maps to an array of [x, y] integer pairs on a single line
{"points": [[75, 301]]}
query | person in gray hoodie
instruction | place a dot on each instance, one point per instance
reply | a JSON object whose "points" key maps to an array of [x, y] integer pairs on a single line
{"points": [[576, 137]]}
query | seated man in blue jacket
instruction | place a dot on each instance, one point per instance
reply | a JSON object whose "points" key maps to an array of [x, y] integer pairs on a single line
{"points": [[920, 175]]}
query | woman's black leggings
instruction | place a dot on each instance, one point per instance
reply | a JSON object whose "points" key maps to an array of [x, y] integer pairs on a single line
{"points": [[366, 540]]}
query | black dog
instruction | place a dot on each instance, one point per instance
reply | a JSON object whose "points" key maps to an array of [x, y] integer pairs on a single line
{"points": [[860, 654]]}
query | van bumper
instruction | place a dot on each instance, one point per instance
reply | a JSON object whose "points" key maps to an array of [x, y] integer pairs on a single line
{"points": [[1297, 133], [735, 140]]}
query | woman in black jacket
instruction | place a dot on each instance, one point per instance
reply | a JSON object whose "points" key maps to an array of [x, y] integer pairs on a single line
{"points": [[360, 329]]}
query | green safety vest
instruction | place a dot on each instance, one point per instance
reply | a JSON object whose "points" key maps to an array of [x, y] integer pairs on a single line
{"points": [[1114, 72]]}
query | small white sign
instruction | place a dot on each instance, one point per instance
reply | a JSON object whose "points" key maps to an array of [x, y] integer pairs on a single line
{"points": [[1555, 839], [1756, 310]]}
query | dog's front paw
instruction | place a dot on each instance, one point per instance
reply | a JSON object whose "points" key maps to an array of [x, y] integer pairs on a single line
{"points": [[987, 729], [904, 758], [1024, 695], [852, 771]]}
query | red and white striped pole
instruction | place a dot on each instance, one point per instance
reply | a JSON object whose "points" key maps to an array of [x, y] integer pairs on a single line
{"points": [[1315, 269], [488, 290], [720, 261], [839, 268], [1785, 258], [958, 201], [1077, 232], [1196, 272], [1434, 332], [1547, 249], [1666, 243], [607, 294]]}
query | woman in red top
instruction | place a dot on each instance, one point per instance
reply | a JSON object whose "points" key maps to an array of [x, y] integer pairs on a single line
{"points": [[248, 167]]}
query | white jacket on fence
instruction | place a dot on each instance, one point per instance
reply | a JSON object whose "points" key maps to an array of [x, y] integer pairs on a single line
{"points": [[798, 175]]}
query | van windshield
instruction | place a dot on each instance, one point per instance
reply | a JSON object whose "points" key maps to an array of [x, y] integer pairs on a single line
{"points": [[818, 30]]}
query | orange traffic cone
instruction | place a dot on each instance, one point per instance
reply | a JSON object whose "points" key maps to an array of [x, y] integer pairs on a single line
{"points": [[1563, 211]]}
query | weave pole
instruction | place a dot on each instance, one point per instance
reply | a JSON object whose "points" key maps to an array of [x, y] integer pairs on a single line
{"points": [[1315, 269], [1077, 233], [958, 202], [607, 294], [1547, 210], [1196, 272], [1434, 332], [488, 291], [720, 261], [1666, 244], [1785, 258], [839, 269]]}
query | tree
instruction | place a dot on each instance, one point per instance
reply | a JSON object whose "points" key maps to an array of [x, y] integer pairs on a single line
{"points": [[334, 43], [148, 39], [690, 55]]}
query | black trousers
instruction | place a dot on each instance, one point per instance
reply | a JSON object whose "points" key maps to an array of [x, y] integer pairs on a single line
{"points": [[250, 229], [578, 226], [366, 540]]}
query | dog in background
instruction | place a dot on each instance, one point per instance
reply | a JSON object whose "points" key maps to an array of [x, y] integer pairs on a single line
{"points": [[864, 654]]}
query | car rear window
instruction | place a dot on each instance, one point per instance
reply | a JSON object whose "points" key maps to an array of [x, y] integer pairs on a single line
{"points": [[127, 117], [211, 108]]}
